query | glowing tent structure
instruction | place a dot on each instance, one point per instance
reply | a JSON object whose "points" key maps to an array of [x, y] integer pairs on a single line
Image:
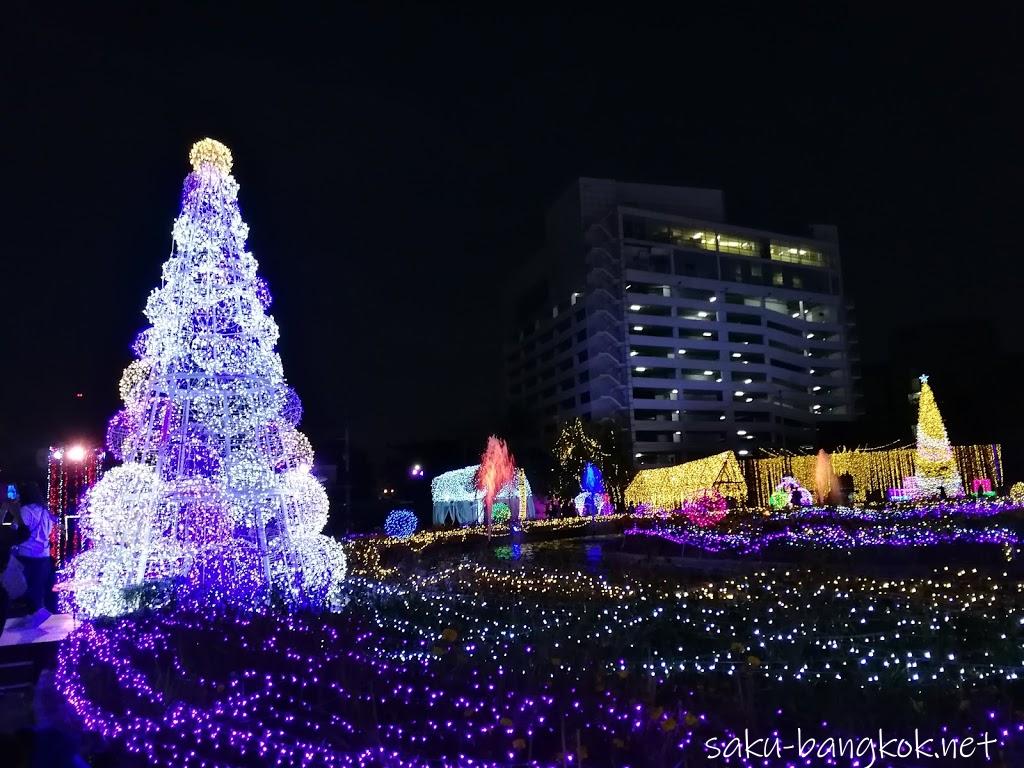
{"points": [[669, 487], [457, 500]]}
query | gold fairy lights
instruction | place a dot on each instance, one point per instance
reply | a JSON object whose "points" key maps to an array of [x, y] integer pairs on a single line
{"points": [[935, 465], [869, 469], [212, 152], [668, 487], [780, 624], [1017, 492], [368, 553]]}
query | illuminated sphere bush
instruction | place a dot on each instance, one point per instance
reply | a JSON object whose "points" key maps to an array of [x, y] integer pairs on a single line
{"points": [[501, 513], [400, 523], [1017, 492]]}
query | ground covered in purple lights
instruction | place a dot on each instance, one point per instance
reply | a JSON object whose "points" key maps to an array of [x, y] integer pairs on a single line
{"points": [[512, 652]]}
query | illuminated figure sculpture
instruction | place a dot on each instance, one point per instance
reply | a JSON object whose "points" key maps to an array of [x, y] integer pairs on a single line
{"points": [[215, 499], [592, 500], [789, 492]]}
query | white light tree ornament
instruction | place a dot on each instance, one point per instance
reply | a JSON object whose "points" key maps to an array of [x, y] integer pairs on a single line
{"points": [[215, 499]]}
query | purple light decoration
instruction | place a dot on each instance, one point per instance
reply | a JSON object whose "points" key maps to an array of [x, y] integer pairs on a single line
{"points": [[790, 484], [826, 537], [263, 293], [967, 509], [196, 454], [289, 691], [706, 510], [291, 411], [898, 494], [223, 572], [121, 426]]}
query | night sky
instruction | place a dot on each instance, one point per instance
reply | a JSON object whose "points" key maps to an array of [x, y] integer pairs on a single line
{"points": [[395, 164]]}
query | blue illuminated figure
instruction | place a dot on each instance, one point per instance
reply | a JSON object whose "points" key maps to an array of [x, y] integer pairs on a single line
{"points": [[592, 481], [592, 500]]}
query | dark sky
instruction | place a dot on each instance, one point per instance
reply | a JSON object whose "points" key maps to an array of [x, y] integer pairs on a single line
{"points": [[395, 163]]}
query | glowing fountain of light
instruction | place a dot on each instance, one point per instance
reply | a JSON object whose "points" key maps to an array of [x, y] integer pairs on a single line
{"points": [[497, 468], [826, 482]]}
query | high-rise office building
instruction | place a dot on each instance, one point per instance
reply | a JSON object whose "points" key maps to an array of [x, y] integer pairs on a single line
{"points": [[698, 335]]}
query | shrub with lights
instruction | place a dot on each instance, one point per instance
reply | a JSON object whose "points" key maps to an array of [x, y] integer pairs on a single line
{"points": [[782, 496], [400, 523], [215, 495], [1017, 492], [502, 513], [706, 510]]}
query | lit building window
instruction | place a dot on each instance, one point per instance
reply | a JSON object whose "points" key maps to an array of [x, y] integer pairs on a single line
{"points": [[736, 244], [797, 254]]}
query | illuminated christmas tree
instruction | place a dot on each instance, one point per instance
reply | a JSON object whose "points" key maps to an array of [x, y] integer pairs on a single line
{"points": [[215, 500], [935, 467]]}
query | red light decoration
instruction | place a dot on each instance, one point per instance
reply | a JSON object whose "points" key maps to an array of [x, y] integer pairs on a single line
{"points": [[71, 471], [497, 468]]}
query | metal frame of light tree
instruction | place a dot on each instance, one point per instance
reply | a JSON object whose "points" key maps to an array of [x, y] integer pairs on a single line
{"points": [[175, 392]]}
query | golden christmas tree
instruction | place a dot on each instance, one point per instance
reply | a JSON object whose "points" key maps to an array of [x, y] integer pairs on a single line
{"points": [[935, 466]]}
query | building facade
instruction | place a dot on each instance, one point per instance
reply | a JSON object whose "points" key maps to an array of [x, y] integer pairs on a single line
{"points": [[696, 334]]}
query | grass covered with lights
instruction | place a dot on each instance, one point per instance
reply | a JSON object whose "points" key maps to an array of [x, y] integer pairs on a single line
{"points": [[459, 648]]}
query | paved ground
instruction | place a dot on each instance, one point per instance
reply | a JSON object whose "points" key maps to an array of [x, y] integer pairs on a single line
{"points": [[55, 628], [26, 651]]}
